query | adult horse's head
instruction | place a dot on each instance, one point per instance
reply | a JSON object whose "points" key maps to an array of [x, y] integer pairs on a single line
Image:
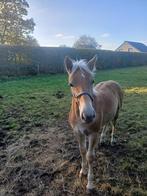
{"points": [[81, 82]]}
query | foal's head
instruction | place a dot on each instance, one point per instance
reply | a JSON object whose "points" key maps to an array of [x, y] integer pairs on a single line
{"points": [[81, 82]]}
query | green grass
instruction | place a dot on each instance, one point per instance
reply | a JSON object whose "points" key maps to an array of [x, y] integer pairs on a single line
{"points": [[33, 98], [30, 102]]}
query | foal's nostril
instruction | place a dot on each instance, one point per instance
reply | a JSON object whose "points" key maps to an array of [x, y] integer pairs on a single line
{"points": [[88, 118], [83, 117], [93, 116]]}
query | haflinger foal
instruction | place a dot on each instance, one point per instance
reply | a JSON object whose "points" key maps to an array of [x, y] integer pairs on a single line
{"points": [[92, 109]]}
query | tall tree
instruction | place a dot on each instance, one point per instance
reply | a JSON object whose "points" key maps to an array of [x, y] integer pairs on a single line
{"points": [[14, 26], [85, 41]]}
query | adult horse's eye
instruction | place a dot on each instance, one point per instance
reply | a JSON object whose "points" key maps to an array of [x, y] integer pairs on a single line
{"points": [[70, 84]]}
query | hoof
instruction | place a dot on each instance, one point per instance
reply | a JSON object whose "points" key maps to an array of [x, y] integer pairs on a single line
{"points": [[113, 143], [91, 191], [90, 187], [102, 141], [103, 144]]}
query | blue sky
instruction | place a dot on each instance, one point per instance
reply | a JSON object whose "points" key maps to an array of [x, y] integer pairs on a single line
{"points": [[110, 22]]}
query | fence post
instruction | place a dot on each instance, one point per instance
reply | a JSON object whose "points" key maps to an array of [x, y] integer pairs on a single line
{"points": [[38, 68]]}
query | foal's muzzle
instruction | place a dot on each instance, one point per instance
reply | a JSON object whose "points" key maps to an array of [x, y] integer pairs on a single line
{"points": [[88, 114], [88, 118]]}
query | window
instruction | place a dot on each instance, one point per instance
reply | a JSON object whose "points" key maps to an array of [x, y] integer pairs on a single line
{"points": [[130, 49]]}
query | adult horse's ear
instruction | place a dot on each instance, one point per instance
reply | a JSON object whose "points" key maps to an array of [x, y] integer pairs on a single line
{"points": [[91, 64], [68, 64]]}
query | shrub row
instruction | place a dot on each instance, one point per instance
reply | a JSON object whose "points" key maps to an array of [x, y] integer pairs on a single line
{"points": [[18, 60]]}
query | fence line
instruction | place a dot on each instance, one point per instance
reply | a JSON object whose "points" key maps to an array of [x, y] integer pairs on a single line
{"points": [[18, 60]]}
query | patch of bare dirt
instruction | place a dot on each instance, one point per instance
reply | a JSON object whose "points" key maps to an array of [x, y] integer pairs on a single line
{"points": [[47, 162], [29, 165], [59, 94]]}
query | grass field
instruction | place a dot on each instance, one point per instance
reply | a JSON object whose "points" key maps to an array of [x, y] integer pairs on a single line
{"points": [[38, 152]]}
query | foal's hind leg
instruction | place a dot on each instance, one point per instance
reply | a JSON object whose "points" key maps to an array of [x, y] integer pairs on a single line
{"points": [[103, 134], [113, 124], [112, 134], [113, 140]]}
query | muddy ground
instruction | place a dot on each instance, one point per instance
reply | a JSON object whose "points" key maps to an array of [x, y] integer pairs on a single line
{"points": [[47, 162]]}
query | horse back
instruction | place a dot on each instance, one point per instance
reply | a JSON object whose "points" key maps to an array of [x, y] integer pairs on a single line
{"points": [[110, 89], [109, 97]]}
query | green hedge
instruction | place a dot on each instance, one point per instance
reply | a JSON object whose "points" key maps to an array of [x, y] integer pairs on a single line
{"points": [[18, 60]]}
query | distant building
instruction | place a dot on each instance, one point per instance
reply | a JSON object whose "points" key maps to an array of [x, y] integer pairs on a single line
{"points": [[128, 46]]}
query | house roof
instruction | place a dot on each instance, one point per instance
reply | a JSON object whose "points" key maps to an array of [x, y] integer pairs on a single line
{"points": [[141, 47]]}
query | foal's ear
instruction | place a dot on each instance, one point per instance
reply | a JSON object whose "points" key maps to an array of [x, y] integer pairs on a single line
{"points": [[91, 64], [68, 64]]}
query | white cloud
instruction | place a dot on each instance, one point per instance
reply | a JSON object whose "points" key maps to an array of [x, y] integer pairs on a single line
{"points": [[105, 35], [63, 36], [59, 35]]}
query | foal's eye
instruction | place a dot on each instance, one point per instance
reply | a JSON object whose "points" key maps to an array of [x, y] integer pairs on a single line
{"points": [[92, 81], [70, 84]]}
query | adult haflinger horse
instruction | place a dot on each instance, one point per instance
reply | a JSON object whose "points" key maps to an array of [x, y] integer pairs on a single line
{"points": [[92, 109]]}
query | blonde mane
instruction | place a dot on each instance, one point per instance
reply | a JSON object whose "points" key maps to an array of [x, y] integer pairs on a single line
{"points": [[82, 65]]}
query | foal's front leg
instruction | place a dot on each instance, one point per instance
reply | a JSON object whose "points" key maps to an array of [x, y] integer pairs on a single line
{"points": [[90, 158], [82, 146]]}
